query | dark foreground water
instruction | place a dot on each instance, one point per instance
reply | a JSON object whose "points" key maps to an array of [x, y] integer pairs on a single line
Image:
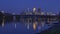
{"points": [[21, 28]]}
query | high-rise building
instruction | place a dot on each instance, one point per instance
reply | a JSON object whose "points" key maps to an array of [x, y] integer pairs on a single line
{"points": [[34, 9], [39, 10]]}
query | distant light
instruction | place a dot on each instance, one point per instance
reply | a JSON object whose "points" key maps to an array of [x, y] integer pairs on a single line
{"points": [[34, 9], [13, 13], [42, 13], [53, 14], [2, 11], [50, 13]]}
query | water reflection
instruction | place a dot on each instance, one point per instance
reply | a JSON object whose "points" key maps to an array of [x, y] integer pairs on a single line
{"points": [[3, 21], [34, 25], [15, 25], [31, 26]]}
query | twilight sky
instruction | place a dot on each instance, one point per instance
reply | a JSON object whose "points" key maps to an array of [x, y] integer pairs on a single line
{"points": [[19, 5]]}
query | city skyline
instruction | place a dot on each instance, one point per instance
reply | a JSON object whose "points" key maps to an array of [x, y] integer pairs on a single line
{"points": [[29, 16], [20, 5]]}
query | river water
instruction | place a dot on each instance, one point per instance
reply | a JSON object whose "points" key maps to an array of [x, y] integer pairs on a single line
{"points": [[24, 28]]}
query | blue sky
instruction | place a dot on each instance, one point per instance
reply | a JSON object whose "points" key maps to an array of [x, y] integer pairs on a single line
{"points": [[19, 5]]}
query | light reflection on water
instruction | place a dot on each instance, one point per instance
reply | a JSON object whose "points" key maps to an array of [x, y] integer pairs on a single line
{"points": [[18, 27]]}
